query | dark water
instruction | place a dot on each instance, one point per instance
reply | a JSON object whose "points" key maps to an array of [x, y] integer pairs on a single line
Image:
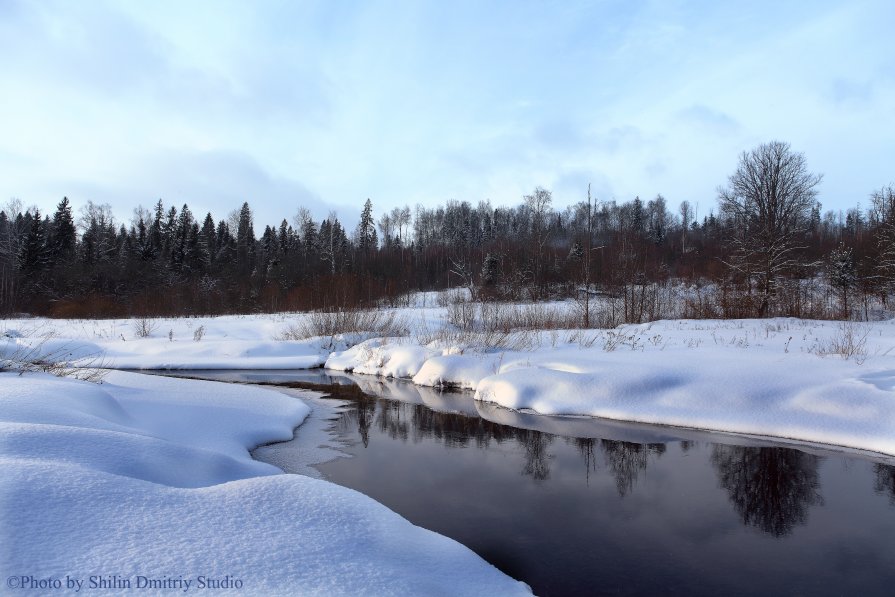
{"points": [[582, 507]]}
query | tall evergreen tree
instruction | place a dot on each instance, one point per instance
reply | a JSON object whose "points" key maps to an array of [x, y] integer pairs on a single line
{"points": [[207, 242], [245, 241], [34, 256], [366, 229], [63, 236]]}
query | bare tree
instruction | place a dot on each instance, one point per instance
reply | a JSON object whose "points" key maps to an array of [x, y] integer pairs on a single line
{"points": [[884, 215], [539, 205], [768, 201]]}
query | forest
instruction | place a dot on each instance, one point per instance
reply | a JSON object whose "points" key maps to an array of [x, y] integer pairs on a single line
{"points": [[766, 248]]}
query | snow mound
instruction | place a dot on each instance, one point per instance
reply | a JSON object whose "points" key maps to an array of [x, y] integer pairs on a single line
{"points": [[151, 477]]}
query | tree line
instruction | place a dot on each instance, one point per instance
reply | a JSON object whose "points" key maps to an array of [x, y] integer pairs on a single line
{"points": [[765, 249]]}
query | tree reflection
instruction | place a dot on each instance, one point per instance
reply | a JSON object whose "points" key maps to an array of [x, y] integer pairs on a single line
{"points": [[770, 488], [537, 464], [415, 422], [391, 420], [586, 447], [626, 459], [885, 480]]}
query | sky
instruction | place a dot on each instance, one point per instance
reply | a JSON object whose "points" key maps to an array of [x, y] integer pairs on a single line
{"points": [[325, 104]]}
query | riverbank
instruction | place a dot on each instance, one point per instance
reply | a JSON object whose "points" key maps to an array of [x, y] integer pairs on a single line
{"points": [[824, 382], [145, 483]]}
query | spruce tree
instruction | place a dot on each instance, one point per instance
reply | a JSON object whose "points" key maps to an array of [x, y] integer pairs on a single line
{"points": [[63, 236], [33, 256]]}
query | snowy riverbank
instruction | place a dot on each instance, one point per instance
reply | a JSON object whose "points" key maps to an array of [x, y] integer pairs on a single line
{"points": [[146, 483], [151, 477], [780, 378], [776, 378]]}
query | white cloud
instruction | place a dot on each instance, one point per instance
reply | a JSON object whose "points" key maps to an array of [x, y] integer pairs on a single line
{"points": [[330, 103]]}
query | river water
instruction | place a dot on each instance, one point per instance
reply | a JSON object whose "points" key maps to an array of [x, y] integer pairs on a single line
{"points": [[578, 506]]}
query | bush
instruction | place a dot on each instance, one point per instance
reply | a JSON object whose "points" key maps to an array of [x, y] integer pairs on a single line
{"points": [[850, 343], [144, 326], [344, 321]]}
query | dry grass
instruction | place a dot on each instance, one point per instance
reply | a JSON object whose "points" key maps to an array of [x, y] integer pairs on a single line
{"points": [[850, 342], [34, 357], [346, 321]]}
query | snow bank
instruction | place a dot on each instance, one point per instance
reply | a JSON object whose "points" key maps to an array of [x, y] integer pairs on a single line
{"points": [[232, 342], [761, 377], [151, 477], [772, 378]]}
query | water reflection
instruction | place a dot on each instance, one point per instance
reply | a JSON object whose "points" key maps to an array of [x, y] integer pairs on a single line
{"points": [[626, 460], [770, 488], [885, 480], [537, 460], [641, 518], [585, 447]]}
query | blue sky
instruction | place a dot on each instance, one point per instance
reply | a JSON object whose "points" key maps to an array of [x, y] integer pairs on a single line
{"points": [[323, 104]]}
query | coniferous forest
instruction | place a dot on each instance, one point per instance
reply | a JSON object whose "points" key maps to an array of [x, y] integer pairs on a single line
{"points": [[765, 248]]}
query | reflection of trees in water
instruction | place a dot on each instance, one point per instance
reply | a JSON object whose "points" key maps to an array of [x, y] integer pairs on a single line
{"points": [[358, 416], [885, 480], [403, 421], [537, 460], [770, 488], [391, 421], [585, 446], [625, 461]]}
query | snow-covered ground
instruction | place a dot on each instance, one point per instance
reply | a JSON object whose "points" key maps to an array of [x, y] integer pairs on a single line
{"points": [[143, 476], [145, 479], [779, 377]]}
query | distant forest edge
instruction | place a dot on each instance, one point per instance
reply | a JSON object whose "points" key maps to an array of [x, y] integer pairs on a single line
{"points": [[766, 251]]}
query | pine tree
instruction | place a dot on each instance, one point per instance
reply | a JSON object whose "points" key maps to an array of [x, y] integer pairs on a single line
{"points": [[155, 232], [225, 246], [843, 274], [490, 270], [34, 256], [284, 238], [181, 238], [206, 242], [366, 229], [63, 236], [245, 241]]}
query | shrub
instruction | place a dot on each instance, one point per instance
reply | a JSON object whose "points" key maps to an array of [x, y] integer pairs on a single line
{"points": [[344, 321], [144, 326]]}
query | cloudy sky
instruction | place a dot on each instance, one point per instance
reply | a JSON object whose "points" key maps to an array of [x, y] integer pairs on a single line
{"points": [[324, 104]]}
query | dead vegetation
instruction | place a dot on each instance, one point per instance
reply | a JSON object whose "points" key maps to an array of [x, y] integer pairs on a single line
{"points": [[346, 321], [20, 353]]}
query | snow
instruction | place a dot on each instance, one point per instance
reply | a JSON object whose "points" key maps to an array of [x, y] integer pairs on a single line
{"points": [[151, 476], [148, 475], [776, 378], [772, 378]]}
